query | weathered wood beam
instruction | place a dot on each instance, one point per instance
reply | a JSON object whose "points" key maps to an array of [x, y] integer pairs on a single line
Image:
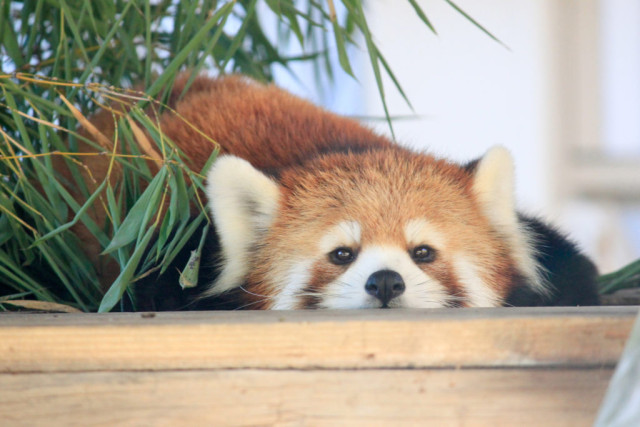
{"points": [[358, 339]]}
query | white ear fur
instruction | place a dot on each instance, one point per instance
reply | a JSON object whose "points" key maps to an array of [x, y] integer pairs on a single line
{"points": [[493, 184], [494, 187], [243, 202]]}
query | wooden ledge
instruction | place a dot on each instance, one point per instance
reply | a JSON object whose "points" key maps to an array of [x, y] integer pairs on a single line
{"points": [[531, 367], [405, 397], [590, 337]]}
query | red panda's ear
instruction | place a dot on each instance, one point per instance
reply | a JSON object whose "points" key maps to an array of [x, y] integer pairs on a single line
{"points": [[493, 185], [243, 203]]}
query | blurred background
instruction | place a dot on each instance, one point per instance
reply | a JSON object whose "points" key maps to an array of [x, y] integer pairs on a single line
{"points": [[562, 92]]}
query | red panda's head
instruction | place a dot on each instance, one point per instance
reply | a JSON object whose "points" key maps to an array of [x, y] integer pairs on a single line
{"points": [[379, 228]]}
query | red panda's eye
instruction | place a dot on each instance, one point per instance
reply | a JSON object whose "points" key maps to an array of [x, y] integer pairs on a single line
{"points": [[423, 253], [341, 256]]}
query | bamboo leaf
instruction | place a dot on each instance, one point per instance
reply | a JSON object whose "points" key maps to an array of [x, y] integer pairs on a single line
{"points": [[10, 41], [103, 47], [139, 214], [183, 234], [179, 209], [343, 58], [117, 289], [49, 307], [189, 276], [15, 274], [68, 19], [422, 15], [83, 209], [626, 277], [292, 17], [143, 141], [207, 51], [358, 14], [198, 38], [395, 81], [474, 22], [238, 39]]}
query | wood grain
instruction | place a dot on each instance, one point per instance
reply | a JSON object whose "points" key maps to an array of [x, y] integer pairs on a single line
{"points": [[549, 337], [452, 397]]}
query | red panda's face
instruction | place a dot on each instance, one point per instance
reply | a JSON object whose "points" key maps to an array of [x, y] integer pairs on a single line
{"points": [[353, 270], [368, 230]]}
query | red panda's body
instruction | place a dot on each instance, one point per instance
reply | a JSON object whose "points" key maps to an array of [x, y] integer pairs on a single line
{"points": [[313, 210]]}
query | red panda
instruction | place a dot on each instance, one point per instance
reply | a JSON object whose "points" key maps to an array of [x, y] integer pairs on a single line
{"points": [[314, 210]]}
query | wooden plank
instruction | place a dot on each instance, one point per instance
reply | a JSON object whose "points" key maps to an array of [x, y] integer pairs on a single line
{"points": [[463, 397], [586, 337]]}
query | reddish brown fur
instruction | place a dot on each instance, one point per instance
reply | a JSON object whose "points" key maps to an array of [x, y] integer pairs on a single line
{"points": [[382, 188], [262, 124]]}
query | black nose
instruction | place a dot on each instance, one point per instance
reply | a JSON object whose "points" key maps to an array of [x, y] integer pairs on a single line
{"points": [[385, 285]]}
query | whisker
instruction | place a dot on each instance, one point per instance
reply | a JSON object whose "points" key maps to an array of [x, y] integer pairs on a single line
{"points": [[251, 303], [257, 295]]}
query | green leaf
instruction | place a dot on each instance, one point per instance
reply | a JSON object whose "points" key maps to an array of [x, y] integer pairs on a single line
{"points": [[97, 57], [474, 22], [173, 67], [393, 78], [140, 213], [372, 49], [207, 51], [75, 219], [626, 277], [183, 235], [422, 15], [15, 274], [10, 41], [291, 15], [180, 209], [68, 19], [189, 276], [240, 35], [117, 289], [343, 58]]}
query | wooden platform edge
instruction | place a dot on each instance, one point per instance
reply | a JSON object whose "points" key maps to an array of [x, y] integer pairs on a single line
{"points": [[360, 339], [406, 397]]}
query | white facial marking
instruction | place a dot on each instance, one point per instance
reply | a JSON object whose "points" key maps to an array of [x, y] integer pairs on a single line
{"points": [[346, 233], [347, 291], [479, 293], [419, 231], [297, 278]]}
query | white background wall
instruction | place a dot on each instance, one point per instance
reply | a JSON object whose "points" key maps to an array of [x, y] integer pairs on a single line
{"points": [[469, 92]]}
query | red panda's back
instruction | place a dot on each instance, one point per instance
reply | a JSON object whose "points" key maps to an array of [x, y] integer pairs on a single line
{"points": [[260, 123]]}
